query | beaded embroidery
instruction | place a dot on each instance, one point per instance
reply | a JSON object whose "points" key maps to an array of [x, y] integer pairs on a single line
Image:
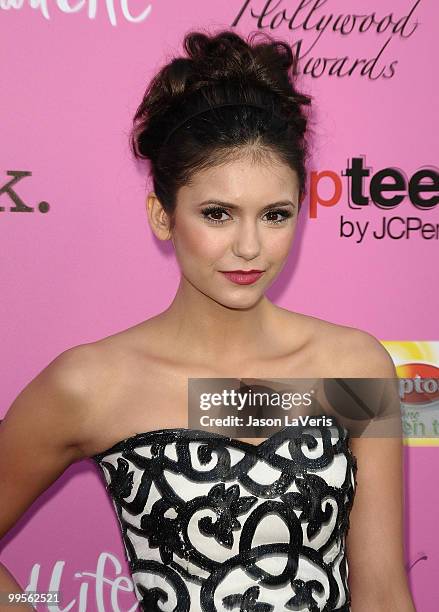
{"points": [[210, 523]]}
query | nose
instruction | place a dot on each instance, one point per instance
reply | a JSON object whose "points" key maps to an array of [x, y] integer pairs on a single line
{"points": [[247, 242]]}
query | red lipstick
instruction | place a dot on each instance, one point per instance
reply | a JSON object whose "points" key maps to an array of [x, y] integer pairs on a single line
{"points": [[243, 277]]}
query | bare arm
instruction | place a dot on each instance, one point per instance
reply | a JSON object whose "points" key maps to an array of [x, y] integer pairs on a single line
{"points": [[40, 437], [8, 584], [375, 544]]}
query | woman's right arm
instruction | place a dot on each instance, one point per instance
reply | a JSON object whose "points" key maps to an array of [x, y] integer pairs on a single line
{"points": [[8, 584], [40, 437]]}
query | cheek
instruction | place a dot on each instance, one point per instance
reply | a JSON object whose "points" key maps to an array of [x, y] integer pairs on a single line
{"points": [[278, 244], [200, 243]]}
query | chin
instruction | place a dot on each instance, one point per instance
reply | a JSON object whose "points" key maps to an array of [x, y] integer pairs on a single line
{"points": [[239, 303]]}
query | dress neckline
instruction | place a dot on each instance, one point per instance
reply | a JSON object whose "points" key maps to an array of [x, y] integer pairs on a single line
{"points": [[196, 434]]}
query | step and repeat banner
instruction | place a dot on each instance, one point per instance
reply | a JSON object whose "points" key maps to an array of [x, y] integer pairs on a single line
{"points": [[78, 260]]}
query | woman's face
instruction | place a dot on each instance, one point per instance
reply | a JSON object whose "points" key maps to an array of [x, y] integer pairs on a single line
{"points": [[238, 216]]}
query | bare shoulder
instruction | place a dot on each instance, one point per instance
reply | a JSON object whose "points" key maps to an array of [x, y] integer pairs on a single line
{"points": [[343, 351], [73, 370], [79, 374], [46, 427], [57, 405], [362, 355], [88, 375]]}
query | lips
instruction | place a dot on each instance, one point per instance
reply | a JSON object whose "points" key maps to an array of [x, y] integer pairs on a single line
{"points": [[243, 277]]}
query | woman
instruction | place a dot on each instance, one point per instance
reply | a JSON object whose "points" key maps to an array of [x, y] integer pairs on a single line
{"points": [[225, 131]]}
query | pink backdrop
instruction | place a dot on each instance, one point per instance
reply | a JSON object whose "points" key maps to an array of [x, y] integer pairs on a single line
{"points": [[71, 81]]}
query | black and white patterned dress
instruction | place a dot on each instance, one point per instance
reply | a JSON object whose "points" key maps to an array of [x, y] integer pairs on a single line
{"points": [[210, 523]]}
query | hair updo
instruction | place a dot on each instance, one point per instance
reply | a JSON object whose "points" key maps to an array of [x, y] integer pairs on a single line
{"points": [[220, 69]]}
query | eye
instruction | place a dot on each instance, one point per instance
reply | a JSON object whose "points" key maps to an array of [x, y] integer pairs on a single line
{"points": [[214, 210], [218, 211], [284, 213]]}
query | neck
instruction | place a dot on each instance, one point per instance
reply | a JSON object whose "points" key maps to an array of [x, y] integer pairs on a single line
{"points": [[209, 330]]}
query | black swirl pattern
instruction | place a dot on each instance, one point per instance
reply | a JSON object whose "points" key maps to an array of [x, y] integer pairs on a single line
{"points": [[213, 524]]}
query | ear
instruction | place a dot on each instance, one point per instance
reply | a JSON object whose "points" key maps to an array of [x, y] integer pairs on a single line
{"points": [[157, 217]]}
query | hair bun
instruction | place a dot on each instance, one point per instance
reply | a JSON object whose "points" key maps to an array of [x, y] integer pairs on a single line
{"points": [[222, 59], [182, 124], [227, 56]]}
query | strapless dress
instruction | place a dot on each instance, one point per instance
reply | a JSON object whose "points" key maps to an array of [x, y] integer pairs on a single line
{"points": [[210, 523]]}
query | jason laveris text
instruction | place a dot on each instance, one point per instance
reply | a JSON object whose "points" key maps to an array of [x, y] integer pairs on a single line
{"points": [[232, 420]]}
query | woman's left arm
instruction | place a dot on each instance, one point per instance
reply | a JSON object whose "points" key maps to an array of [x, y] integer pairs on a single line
{"points": [[375, 541]]}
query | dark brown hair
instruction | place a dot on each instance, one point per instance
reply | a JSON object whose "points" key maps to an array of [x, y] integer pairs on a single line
{"points": [[220, 68]]}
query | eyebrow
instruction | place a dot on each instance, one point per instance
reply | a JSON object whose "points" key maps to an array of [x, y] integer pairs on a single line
{"points": [[236, 207]]}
